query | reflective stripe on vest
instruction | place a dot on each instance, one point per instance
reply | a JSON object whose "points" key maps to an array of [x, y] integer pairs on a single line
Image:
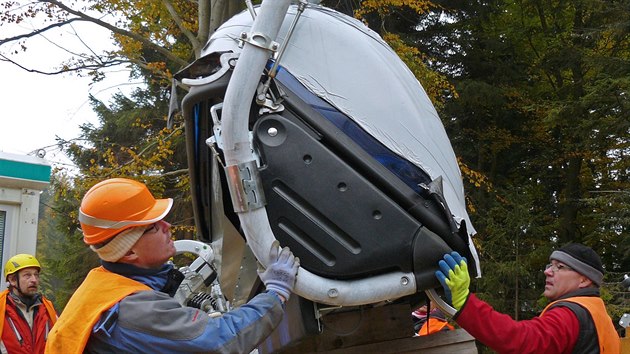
{"points": [[99, 291], [15, 330], [609, 342]]}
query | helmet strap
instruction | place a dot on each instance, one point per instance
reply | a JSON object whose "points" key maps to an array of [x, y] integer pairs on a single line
{"points": [[24, 297]]}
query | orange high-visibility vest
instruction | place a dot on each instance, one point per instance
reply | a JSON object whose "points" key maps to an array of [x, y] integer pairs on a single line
{"points": [[433, 325], [607, 337], [100, 290]]}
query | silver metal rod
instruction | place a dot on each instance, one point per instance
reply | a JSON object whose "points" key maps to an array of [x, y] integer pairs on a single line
{"points": [[250, 7]]}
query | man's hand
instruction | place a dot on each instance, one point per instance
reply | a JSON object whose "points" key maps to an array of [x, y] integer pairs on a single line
{"points": [[281, 271], [453, 275]]}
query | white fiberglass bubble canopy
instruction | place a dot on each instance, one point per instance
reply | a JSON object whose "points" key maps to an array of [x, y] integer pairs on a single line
{"points": [[342, 61]]}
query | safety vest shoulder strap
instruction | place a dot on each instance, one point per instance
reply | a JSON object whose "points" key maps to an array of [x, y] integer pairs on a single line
{"points": [[3, 308], [609, 342], [52, 314], [99, 291]]}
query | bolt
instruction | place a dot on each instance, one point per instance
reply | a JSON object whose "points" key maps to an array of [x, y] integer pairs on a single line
{"points": [[333, 293], [272, 131], [404, 281]]}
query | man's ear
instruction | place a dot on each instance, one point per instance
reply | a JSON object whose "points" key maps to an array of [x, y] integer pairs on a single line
{"points": [[585, 282], [129, 258], [12, 279]]}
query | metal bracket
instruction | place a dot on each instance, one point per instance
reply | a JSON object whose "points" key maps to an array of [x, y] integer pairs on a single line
{"points": [[227, 63], [216, 140], [268, 101], [216, 124], [245, 186], [260, 40]]}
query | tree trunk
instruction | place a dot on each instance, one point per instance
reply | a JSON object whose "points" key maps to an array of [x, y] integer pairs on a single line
{"points": [[569, 205]]}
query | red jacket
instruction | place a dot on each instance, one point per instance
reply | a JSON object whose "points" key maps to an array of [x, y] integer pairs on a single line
{"points": [[17, 336], [556, 331]]}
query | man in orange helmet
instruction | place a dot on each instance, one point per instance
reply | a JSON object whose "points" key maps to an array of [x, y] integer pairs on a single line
{"points": [[126, 305], [26, 316]]}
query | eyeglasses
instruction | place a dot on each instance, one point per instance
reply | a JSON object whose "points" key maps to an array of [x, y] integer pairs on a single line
{"points": [[557, 267]]}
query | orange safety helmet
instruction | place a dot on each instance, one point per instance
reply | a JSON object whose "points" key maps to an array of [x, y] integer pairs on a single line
{"points": [[117, 204]]}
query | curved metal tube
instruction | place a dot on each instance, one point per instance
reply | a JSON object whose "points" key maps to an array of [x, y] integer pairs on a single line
{"points": [[237, 150], [441, 304], [197, 248]]}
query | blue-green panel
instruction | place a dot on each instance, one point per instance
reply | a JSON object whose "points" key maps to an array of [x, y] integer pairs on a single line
{"points": [[25, 170]]}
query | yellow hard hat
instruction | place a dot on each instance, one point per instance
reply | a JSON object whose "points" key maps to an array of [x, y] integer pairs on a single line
{"points": [[20, 261], [117, 204]]}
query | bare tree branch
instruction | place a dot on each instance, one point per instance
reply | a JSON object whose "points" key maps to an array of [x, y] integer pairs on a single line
{"points": [[180, 24], [66, 69], [175, 173], [85, 17], [39, 31]]}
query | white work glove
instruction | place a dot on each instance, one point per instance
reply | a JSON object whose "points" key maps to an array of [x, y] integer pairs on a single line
{"points": [[281, 271]]}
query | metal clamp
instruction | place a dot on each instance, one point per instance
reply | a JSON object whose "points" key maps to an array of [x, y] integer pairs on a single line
{"points": [[260, 40], [200, 287], [245, 186]]}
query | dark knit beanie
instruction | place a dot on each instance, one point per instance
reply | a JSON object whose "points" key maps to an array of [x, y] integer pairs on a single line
{"points": [[582, 259]]}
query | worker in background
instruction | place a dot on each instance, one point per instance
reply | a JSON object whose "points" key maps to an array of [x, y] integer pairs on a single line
{"points": [[574, 322], [126, 305], [26, 316], [428, 321]]}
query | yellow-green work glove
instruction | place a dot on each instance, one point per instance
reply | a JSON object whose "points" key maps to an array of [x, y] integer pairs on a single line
{"points": [[453, 275]]}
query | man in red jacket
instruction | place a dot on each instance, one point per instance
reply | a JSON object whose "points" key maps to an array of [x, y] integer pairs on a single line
{"points": [[574, 322], [26, 316]]}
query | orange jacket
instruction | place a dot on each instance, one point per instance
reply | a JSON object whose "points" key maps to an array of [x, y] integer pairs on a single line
{"points": [[608, 339], [100, 290], [17, 335]]}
